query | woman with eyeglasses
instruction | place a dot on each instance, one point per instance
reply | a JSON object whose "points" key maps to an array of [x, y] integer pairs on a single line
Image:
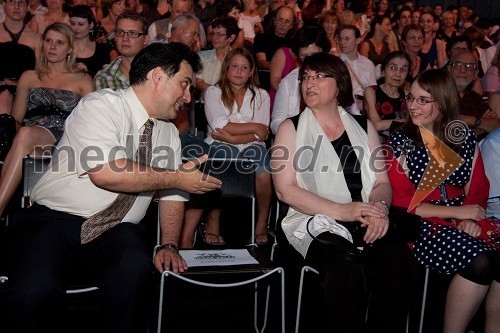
{"points": [[44, 98], [339, 199], [90, 56], [385, 104], [437, 173]]}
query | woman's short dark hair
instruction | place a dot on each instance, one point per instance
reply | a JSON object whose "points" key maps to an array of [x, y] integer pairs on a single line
{"points": [[331, 65], [394, 55], [228, 23], [84, 12], [167, 56], [311, 34]]}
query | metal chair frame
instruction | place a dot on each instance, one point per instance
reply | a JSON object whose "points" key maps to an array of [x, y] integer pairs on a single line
{"points": [[255, 281], [40, 164]]}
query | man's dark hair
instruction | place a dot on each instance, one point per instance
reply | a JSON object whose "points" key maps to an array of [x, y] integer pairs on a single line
{"points": [[458, 39], [167, 56], [311, 34], [397, 15], [134, 17]]}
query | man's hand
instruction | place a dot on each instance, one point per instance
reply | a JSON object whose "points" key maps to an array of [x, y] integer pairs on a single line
{"points": [[192, 180], [169, 260]]}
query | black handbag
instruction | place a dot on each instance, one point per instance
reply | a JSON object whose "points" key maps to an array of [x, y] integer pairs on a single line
{"points": [[403, 227], [7, 134]]}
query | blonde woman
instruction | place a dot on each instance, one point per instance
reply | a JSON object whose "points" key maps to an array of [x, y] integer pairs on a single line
{"points": [[44, 98]]}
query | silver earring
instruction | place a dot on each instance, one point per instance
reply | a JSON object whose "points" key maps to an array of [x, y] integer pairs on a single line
{"points": [[68, 58]]}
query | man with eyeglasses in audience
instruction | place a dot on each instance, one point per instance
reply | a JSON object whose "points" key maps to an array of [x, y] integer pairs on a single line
{"points": [[474, 111], [18, 45], [161, 30], [131, 37], [457, 45], [267, 43]]}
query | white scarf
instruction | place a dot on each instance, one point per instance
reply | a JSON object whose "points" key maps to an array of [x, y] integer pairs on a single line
{"points": [[320, 173]]}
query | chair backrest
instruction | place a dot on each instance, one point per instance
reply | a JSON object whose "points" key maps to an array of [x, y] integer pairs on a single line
{"points": [[33, 169], [237, 176]]}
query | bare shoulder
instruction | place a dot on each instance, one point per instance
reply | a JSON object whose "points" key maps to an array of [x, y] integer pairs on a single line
{"points": [[79, 82], [29, 76], [30, 38]]}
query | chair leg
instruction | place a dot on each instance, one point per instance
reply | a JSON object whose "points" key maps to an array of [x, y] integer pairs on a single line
{"points": [[424, 298], [304, 270]]}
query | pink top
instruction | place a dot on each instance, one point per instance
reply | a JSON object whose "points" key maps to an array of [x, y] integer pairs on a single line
{"points": [[290, 65]]}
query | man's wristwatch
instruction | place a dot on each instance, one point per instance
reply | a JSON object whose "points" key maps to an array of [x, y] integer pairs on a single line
{"points": [[477, 122], [170, 246]]}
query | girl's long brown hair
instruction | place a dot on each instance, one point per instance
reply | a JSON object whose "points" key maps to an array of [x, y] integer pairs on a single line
{"points": [[228, 96], [441, 85]]}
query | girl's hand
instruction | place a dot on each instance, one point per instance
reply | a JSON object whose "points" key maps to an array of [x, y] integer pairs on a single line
{"points": [[470, 227], [221, 134], [470, 212], [376, 229], [490, 114], [262, 131]]}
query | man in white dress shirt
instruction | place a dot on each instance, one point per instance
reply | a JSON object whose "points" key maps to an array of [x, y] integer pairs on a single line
{"points": [[93, 164], [360, 68]]}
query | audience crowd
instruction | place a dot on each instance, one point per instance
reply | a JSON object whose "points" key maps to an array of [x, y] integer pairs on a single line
{"points": [[272, 76]]}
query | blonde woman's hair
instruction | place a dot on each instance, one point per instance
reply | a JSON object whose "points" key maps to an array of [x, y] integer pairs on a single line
{"points": [[228, 96], [67, 32]]}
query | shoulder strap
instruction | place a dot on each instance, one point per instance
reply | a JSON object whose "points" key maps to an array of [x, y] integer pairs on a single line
{"points": [[15, 37]]}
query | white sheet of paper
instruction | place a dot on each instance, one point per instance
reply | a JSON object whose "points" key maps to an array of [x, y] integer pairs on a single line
{"points": [[200, 258]]}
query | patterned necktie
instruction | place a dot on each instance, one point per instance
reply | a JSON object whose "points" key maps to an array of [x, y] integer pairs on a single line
{"points": [[109, 217]]}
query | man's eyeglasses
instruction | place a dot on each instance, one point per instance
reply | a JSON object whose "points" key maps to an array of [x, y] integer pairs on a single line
{"points": [[420, 100], [218, 34], [19, 2], [130, 34], [317, 76], [470, 66], [283, 21]]}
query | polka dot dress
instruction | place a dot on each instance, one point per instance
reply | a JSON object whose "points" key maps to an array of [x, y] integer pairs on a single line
{"points": [[441, 248]]}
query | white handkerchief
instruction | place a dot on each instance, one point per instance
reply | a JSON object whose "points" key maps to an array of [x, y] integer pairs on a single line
{"points": [[322, 222]]}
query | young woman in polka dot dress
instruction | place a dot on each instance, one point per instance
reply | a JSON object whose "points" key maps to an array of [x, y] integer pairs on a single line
{"points": [[453, 229]]}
